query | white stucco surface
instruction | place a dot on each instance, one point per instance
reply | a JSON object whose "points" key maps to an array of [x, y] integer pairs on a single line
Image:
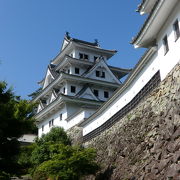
{"points": [[159, 61]]}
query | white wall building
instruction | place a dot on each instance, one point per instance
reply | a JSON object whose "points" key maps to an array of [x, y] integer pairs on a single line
{"points": [[78, 80], [160, 35]]}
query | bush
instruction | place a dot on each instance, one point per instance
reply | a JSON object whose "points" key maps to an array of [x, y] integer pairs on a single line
{"points": [[55, 158], [56, 135], [69, 163], [4, 176], [40, 175], [24, 158]]}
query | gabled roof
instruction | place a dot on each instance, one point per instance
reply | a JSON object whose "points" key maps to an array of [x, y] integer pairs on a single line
{"points": [[64, 76], [137, 69], [86, 92], [103, 64], [53, 72], [120, 72], [68, 59], [82, 44], [53, 96], [60, 100]]}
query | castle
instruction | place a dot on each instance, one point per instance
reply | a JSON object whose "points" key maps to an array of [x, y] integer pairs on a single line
{"points": [[84, 82], [77, 82]]}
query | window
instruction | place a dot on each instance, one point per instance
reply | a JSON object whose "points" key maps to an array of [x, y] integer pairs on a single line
{"points": [[176, 29], [60, 116], [106, 94], [83, 56], [86, 56], [95, 58], [73, 89], [76, 70], [51, 123], [100, 74], [42, 127], [80, 56], [165, 44], [96, 92], [64, 90], [103, 75], [97, 73], [68, 71]]}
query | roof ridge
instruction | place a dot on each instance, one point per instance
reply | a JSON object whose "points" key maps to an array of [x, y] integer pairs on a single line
{"points": [[69, 38]]}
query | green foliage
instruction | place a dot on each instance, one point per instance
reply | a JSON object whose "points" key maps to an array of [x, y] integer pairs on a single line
{"points": [[69, 163], [40, 175], [54, 157], [24, 158], [56, 135], [16, 118], [4, 175], [41, 151]]}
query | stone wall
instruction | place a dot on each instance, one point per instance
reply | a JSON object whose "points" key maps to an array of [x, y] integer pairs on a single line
{"points": [[146, 143]]}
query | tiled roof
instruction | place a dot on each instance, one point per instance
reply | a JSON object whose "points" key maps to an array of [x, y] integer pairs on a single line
{"points": [[81, 91], [52, 70], [83, 99], [130, 78], [85, 42], [140, 5], [145, 23], [95, 43]]}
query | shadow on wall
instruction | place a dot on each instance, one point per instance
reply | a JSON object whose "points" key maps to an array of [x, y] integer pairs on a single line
{"points": [[106, 175]]}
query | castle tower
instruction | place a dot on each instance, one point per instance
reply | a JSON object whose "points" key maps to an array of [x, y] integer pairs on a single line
{"points": [[77, 81]]}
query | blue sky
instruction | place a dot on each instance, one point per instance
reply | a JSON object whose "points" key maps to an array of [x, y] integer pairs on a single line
{"points": [[31, 33]]}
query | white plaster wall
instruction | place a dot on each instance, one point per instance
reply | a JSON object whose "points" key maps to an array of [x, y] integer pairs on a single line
{"points": [[46, 83], [75, 120], [72, 108], [78, 88], [91, 54], [101, 93], [159, 61], [72, 53], [57, 122], [62, 88], [81, 70], [39, 108], [168, 61], [52, 98], [89, 112], [80, 116], [108, 76], [142, 78]]}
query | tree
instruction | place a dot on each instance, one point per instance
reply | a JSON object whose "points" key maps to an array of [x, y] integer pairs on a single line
{"points": [[41, 151], [55, 158], [24, 158], [16, 118]]}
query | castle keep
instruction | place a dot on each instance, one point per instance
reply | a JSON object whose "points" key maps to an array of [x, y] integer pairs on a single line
{"points": [[79, 86]]}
